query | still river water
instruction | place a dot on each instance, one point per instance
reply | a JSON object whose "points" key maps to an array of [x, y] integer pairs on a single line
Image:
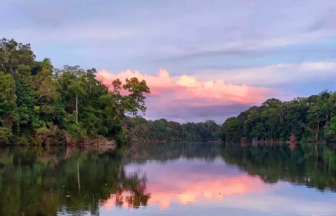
{"points": [[169, 179]]}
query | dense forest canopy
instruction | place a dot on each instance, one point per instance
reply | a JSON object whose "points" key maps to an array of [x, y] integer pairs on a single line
{"points": [[43, 104], [39, 103], [310, 118], [139, 129]]}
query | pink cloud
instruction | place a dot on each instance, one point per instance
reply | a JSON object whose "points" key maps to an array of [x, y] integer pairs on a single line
{"points": [[156, 83], [185, 92]]}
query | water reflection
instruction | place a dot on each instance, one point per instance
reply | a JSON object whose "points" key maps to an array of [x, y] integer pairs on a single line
{"points": [[185, 182], [309, 164], [38, 181], [177, 179]]}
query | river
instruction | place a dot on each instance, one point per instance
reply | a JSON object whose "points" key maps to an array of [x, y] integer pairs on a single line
{"points": [[169, 179]]}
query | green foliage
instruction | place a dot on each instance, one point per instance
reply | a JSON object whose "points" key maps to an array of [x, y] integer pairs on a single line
{"points": [[5, 135], [38, 101], [13, 54], [76, 131], [231, 129], [139, 129], [309, 119], [8, 114]]}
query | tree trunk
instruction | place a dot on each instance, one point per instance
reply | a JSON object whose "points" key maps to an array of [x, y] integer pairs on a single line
{"points": [[76, 108], [317, 133]]}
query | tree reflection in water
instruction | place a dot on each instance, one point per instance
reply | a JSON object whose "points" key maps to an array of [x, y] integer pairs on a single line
{"points": [[71, 180], [46, 181], [306, 164]]}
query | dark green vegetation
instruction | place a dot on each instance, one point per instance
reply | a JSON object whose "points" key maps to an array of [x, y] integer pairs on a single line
{"points": [[42, 104], [39, 103], [306, 119], [140, 130], [77, 180]]}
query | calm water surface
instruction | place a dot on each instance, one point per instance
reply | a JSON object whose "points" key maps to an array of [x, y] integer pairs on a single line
{"points": [[169, 179]]}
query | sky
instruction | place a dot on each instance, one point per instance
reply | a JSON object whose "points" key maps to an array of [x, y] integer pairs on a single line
{"points": [[201, 59]]}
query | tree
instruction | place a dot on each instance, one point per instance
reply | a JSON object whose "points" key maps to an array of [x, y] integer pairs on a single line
{"points": [[39, 103], [232, 129], [307, 119], [77, 89], [136, 99], [8, 107], [14, 54]]}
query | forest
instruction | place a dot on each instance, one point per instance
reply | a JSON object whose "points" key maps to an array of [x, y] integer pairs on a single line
{"points": [[42, 104], [138, 129], [307, 119]]}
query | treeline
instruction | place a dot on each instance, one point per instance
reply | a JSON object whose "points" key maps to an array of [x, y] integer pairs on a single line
{"points": [[139, 129], [310, 118], [42, 104]]}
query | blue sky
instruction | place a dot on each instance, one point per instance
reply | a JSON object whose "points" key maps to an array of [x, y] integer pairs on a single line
{"points": [[286, 46]]}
